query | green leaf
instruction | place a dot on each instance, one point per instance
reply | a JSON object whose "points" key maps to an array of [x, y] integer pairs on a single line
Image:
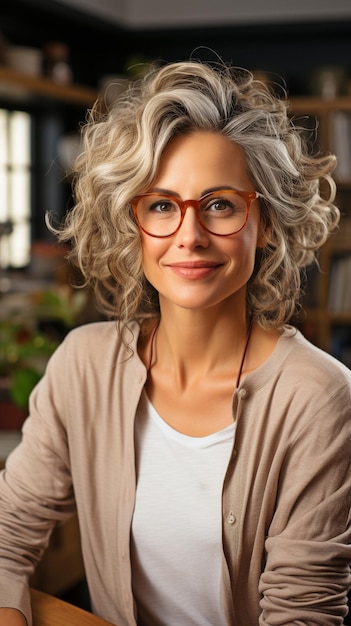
{"points": [[22, 383]]}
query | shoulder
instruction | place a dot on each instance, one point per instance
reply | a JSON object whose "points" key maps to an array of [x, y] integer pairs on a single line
{"points": [[310, 364], [96, 363], [298, 373], [102, 333], [299, 389], [98, 343], [311, 384]]}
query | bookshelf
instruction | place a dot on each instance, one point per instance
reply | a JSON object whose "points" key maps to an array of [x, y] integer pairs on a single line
{"points": [[327, 303]]}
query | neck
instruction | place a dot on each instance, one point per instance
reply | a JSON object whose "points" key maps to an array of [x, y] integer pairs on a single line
{"points": [[195, 345]]}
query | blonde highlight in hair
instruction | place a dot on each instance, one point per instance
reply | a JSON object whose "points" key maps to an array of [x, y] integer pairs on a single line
{"points": [[122, 148]]}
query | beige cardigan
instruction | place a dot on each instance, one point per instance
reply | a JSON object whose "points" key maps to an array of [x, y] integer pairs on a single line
{"points": [[286, 496]]}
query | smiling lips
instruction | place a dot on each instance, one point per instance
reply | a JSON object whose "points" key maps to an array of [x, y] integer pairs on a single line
{"points": [[194, 269]]}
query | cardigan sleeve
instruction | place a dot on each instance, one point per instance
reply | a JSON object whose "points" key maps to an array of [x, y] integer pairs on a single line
{"points": [[308, 551], [35, 488]]}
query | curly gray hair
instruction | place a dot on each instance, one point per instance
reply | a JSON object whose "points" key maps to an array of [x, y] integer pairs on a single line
{"points": [[120, 158]]}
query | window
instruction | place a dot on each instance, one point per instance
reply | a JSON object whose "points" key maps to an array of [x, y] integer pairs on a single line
{"points": [[15, 188]]}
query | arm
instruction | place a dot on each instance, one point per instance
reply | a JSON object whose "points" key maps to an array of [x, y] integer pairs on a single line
{"points": [[307, 571], [35, 494]]}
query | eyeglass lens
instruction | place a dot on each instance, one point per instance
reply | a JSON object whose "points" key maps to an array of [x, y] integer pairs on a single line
{"points": [[221, 212]]}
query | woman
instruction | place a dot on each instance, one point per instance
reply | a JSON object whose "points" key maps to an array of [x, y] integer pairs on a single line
{"points": [[203, 441]]}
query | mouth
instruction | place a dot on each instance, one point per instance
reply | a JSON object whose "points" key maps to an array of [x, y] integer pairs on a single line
{"points": [[194, 269]]}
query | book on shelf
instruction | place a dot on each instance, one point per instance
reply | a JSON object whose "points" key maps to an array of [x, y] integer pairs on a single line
{"points": [[340, 344], [339, 298], [340, 142]]}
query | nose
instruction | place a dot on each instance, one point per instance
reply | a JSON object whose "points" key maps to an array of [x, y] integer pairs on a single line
{"points": [[191, 234]]}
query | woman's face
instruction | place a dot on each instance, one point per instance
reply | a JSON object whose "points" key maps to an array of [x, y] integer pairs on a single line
{"points": [[193, 268]]}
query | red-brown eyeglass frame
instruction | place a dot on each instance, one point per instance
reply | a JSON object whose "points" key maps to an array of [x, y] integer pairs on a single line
{"points": [[249, 197]]}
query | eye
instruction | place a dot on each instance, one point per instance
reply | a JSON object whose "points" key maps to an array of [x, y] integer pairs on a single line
{"points": [[220, 205], [162, 205]]}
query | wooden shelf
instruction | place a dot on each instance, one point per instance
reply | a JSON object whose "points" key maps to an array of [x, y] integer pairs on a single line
{"points": [[328, 329], [17, 85], [318, 106]]}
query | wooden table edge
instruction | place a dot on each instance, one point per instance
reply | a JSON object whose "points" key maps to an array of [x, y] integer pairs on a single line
{"points": [[50, 611]]}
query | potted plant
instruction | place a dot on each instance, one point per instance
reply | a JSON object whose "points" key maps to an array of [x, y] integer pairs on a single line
{"points": [[29, 334]]}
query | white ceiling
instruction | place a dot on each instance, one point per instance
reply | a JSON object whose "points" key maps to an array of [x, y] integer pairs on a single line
{"points": [[180, 13]]}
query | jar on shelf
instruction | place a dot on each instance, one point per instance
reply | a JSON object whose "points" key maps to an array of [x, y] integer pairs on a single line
{"points": [[56, 63]]}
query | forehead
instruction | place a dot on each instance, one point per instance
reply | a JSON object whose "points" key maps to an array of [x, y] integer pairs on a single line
{"points": [[206, 159], [206, 141]]}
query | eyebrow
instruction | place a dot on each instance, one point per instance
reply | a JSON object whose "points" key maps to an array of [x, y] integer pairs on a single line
{"points": [[169, 192]]}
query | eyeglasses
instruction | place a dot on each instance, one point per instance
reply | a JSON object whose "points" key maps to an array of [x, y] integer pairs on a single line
{"points": [[223, 212]]}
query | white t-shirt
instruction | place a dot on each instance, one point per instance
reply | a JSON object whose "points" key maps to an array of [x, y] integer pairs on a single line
{"points": [[176, 546]]}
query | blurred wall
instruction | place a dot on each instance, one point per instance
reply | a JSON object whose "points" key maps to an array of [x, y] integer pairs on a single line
{"points": [[158, 13]]}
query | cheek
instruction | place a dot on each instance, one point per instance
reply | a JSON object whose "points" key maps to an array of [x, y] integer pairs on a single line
{"points": [[152, 251], [242, 257], [243, 246]]}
